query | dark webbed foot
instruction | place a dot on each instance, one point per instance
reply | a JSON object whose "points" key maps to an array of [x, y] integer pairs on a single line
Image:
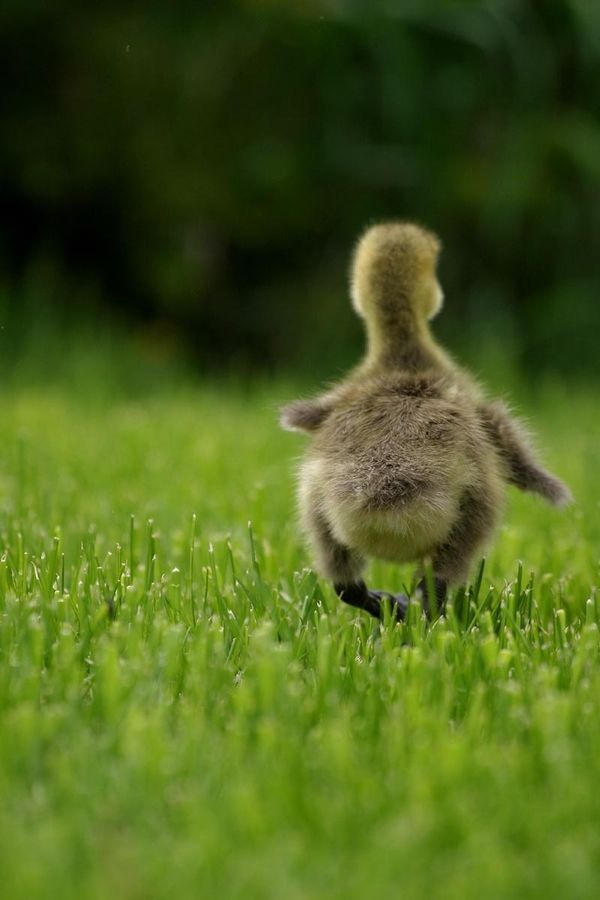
{"points": [[398, 603], [359, 596]]}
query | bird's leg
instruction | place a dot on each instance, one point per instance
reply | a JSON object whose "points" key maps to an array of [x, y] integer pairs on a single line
{"points": [[452, 560], [436, 604], [344, 566]]}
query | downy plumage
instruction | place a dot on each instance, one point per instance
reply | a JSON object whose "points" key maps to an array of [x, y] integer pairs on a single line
{"points": [[408, 459]]}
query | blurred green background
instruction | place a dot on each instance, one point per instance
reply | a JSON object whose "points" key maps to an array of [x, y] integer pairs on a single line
{"points": [[196, 174]]}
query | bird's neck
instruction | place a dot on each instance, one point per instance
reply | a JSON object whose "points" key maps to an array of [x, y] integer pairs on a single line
{"points": [[403, 342]]}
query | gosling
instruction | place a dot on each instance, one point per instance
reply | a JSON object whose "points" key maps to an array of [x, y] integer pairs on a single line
{"points": [[408, 460]]}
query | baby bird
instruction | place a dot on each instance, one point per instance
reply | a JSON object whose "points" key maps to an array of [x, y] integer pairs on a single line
{"points": [[408, 459]]}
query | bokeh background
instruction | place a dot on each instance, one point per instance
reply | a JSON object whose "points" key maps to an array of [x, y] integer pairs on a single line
{"points": [[194, 176]]}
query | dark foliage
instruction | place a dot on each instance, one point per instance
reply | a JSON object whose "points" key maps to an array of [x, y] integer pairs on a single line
{"points": [[207, 167]]}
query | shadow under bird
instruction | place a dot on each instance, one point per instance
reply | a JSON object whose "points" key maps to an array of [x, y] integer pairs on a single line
{"points": [[409, 459]]}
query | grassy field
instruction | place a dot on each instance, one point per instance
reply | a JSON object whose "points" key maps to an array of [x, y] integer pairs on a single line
{"points": [[185, 710]]}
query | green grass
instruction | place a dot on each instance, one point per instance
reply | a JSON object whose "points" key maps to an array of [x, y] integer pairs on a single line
{"points": [[185, 710]]}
